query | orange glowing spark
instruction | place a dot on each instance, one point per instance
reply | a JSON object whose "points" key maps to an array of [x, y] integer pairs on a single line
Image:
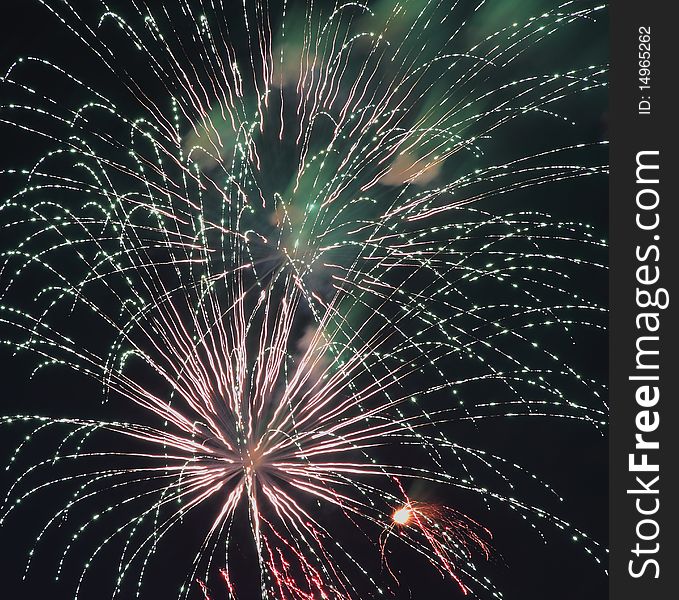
{"points": [[402, 516]]}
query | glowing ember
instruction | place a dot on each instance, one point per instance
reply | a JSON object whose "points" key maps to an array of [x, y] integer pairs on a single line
{"points": [[402, 516]]}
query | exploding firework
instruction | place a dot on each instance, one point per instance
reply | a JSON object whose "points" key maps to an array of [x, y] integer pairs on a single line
{"points": [[287, 236], [440, 528]]}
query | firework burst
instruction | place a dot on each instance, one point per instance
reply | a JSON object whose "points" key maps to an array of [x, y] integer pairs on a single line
{"points": [[285, 237]]}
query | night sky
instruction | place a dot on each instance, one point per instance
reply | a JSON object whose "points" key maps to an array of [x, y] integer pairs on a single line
{"points": [[569, 455]]}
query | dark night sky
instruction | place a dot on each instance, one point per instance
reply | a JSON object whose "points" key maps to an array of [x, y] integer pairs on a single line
{"points": [[568, 455]]}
